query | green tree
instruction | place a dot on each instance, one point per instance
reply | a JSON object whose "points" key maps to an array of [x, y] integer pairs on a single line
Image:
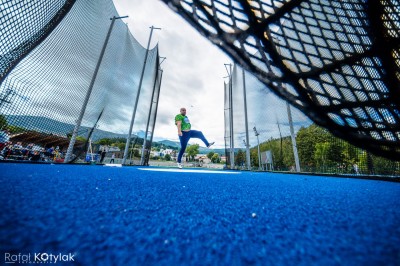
{"points": [[120, 145], [351, 155], [254, 157], [3, 122], [215, 158], [192, 151], [240, 158], [210, 155], [306, 140], [281, 149], [167, 157], [104, 141], [136, 153], [335, 153], [15, 129], [80, 138], [384, 166], [321, 152]]}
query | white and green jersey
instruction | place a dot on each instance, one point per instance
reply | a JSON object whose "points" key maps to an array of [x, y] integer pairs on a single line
{"points": [[185, 122]]}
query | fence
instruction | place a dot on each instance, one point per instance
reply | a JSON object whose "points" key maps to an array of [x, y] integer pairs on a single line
{"points": [[50, 94], [281, 138]]}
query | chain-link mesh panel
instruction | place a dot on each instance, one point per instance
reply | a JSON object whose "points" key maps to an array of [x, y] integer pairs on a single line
{"points": [[42, 97], [337, 61]]}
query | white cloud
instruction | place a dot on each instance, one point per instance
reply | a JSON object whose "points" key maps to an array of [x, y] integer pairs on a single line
{"points": [[193, 71]]}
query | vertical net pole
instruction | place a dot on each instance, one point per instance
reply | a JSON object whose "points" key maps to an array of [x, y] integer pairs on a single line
{"points": [[232, 151], [155, 112], [137, 98], [227, 133], [295, 153], [248, 163], [83, 109], [142, 158]]}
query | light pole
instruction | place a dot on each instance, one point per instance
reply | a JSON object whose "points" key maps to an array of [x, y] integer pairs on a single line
{"points": [[89, 92], [128, 140], [258, 147]]}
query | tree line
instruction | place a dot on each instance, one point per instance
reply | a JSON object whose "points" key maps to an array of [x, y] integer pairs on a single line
{"points": [[320, 152]]}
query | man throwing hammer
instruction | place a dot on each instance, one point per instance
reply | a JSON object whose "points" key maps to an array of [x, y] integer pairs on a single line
{"points": [[185, 133]]}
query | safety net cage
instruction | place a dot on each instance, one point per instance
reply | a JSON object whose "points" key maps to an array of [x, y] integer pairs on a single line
{"points": [[71, 72], [265, 132], [336, 61], [151, 122]]}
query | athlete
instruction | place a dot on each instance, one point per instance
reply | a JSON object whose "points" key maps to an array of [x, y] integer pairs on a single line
{"points": [[185, 133]]}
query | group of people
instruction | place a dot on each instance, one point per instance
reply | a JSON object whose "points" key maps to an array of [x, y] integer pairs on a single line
{"points": [[103, 152], [30, 152], [4, 139]]}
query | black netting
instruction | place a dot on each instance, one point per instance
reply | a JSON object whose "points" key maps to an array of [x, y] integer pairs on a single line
{"points": [[23, 25], [43, 96], [336, 61], [270, 134]]}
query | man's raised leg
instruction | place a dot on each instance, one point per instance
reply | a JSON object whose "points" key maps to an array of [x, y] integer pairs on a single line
{"points": [[199, 135]]}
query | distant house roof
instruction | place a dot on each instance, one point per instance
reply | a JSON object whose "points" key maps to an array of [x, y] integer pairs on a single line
{"points": [[113, 148]]}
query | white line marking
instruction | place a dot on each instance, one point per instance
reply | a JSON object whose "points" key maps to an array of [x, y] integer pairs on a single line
{"points": [[187, 171], [113, 165]]}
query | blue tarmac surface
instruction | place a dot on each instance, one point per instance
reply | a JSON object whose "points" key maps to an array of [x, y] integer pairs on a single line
{"points": [[128, 216]]}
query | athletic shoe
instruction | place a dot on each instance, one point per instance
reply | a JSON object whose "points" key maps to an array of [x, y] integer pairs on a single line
{"points": [[210, 144], [180, 166]]}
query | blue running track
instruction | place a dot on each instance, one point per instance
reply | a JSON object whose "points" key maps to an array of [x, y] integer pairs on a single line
{"points": [[134, 216]]}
